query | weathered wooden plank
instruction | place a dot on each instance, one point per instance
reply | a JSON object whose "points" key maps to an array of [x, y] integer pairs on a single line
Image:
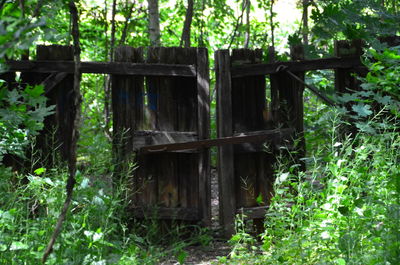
{"points": [[52, 81], [173, 102], [115, 68], [345, 79], [253, 212], [249, 105], [296, 66], [168, 213], [57, 132], [203, 125], [127, 104], [149, 138], [227, 204], [276, 136], [297, 102]]}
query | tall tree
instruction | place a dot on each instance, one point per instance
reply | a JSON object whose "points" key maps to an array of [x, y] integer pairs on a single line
{"points": [[305, 21], [271, 21], [247, 33], [128, 16], [185, 39], [154, 23]]}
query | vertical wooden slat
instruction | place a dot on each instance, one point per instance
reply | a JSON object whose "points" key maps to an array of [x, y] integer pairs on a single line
{"points": [[249, 109], [248, 105], [297, 53], [173, 103], [345, 80], [226, 180], [203, 125], [127, 102], [287, 102], [57, 132], [127, 107]]}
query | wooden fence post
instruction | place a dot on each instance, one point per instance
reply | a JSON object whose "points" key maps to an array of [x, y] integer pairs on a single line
{"points": [[252, 163], [127, 106], [345, 79], [61, 123], [203, 116], [226, 179], [287, 101]]}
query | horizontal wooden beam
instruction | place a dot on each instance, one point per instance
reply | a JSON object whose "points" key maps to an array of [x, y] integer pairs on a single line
{"points": [[295, 66], [257, 136], [154, 138], [187, 214], [253, 212], [116, 68]]}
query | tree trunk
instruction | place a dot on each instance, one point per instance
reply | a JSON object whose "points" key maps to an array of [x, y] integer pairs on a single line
{"points": [[154, 23], [112, 44], [305, 21], [247, 33], [185, 39], [271, 21], [126, 24], [75, 132]]}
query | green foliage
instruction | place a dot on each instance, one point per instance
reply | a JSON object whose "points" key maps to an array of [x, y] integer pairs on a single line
{"points": [[21, 118], [379, 98], [343, 210], [356, 19], [96, 229]]}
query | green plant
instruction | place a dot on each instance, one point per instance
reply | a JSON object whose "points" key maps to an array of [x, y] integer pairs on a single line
{"points": [[22, 112]]}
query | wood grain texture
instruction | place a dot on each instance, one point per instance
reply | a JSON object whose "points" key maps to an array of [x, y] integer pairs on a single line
{"points": [[241, 70], [127, 105], [172, 110], [227, 202], [275, 137], [249, 105], [203, 125], [345, 78], [115, 68], [57, 132]]}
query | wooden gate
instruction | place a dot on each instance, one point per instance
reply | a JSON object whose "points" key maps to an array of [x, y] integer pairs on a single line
{"points": [[246, 170], [162, 108]]}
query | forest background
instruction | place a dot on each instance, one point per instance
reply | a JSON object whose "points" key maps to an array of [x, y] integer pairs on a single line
{"points": [[345, 209]]}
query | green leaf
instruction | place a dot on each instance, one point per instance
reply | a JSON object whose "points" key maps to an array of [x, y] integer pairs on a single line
{"points": [[13, 96], [340, 261], [16, 245], [35, 91], [39, 171], [362, 110], [259, 199]]}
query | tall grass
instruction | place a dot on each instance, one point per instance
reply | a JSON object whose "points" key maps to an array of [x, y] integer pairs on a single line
{"points": [[345, 209]]}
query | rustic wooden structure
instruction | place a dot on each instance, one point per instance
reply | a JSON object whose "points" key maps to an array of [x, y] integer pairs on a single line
{"points": [[246, 171], [161, 120], [56, 136], [168, 108]]}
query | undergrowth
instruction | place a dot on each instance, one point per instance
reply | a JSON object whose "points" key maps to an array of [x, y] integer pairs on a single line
{"points": [[345, 209]]}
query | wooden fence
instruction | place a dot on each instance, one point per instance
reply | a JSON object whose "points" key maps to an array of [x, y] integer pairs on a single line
{"points": [[156, 110], [161, 108], [246, 172]]}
